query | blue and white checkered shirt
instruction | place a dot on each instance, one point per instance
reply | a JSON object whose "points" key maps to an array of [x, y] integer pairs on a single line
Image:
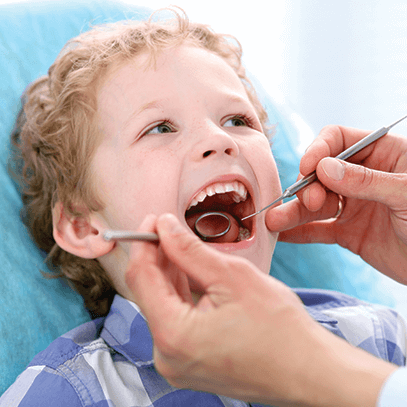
{"points": [[108, 362]]}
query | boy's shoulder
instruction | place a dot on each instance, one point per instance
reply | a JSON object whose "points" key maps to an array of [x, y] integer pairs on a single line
{"points": [[379, 330], [54, 376], [324, 299], [79, 340]]}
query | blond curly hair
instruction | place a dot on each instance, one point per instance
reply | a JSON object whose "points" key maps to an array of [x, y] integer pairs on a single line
{"points": [[57, 134]]}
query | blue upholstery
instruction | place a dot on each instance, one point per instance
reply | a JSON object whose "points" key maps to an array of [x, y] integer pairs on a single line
{"points": [[34, 310]]}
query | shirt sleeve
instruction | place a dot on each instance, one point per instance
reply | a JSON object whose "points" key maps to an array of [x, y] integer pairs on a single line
{"points": [[39, 386], [394, 390]]}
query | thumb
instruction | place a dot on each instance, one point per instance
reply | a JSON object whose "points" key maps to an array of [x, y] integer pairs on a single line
{"points": [[357, 181]]}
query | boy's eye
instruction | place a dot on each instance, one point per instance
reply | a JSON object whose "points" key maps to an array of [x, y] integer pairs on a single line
{"points": [[162, 128], [236, 121]]}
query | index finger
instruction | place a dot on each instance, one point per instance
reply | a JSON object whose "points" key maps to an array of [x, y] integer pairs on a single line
{"points": [[331, 141], [204, 265], [292, 214]]}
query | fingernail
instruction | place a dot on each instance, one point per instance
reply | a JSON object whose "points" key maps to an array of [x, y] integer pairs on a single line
{"points": [[306, 150], [333, 168], [171, 223]]}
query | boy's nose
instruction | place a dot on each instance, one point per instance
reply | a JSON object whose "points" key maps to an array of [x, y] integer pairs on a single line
{"points": [[214, 142]]}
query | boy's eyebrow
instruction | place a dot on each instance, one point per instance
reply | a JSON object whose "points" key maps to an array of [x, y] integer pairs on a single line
{"points": [[235, 98], [154, 104]]}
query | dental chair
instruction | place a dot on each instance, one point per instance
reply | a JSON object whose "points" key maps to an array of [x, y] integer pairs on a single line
{"points": [[35, 310]]}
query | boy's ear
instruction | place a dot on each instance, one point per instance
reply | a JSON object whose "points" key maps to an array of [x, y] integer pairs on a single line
{"points": [[80, 236]]}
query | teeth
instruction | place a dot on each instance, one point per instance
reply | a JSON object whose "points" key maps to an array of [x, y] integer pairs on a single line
{"points": [[201, 196], [236, 198], [219, 189], [242, 192], [210, 191], [237, 188]]}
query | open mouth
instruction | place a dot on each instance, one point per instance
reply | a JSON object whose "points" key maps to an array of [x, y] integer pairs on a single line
{"points": [[230, 198]]}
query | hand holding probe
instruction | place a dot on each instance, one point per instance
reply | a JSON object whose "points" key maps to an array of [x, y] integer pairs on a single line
{"points": [[349, 152]]}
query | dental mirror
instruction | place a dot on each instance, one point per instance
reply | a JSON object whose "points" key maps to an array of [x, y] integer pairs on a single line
{"points": [[204, 225]]}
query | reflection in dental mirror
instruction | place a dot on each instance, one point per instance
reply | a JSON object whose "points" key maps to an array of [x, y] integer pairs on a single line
{"points": [[216, 227]]}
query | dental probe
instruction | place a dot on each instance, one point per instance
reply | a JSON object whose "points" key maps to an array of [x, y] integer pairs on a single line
{"points": [[302, 183], [129, 235]]}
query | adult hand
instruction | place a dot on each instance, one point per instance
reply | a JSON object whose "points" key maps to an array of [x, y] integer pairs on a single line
{"points": [[373, 223], [249, 336]]}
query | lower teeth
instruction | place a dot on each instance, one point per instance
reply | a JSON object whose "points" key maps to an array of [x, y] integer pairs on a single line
{"points": [[244, 234]]}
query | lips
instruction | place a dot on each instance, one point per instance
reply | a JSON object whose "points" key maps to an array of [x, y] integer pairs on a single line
{"points": [[229, 197]]}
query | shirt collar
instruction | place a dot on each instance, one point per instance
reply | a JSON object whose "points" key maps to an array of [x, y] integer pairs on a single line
{"points": [[126, 331], [321, 317]]}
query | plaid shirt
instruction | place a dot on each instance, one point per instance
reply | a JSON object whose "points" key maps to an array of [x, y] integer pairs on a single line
{"points": [[108, 362]]}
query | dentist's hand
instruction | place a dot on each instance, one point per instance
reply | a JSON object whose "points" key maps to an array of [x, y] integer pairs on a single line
{"points": [[373, 223], [249, 336]]}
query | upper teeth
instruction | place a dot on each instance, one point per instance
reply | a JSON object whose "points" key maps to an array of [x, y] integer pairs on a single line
{"points": [[237, 188]]}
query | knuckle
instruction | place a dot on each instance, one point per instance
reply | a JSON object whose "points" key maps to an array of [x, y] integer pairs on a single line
{"points": [[330, 129], [170, 372], [188, 243], [401, 180], [243, 264], [395, 186], [237, 266], [172, 359], [172, 345], [321, 147], [367, 177], [168, 345], [332, 136], [173, 379], [330, 133]]}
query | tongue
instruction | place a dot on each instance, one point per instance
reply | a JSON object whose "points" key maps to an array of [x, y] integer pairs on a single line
{"points": [[213, 225]]}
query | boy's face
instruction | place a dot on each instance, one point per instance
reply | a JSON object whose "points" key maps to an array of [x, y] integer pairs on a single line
{"points": [[171, 131]]}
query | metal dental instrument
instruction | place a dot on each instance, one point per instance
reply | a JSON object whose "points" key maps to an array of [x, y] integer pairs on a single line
{"points": [[206, 236], [152, 237], [129, 235], [289, 192], [302, 183]]}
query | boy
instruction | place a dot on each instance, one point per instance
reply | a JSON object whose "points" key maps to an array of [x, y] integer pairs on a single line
{"points": [[140, 119]]}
